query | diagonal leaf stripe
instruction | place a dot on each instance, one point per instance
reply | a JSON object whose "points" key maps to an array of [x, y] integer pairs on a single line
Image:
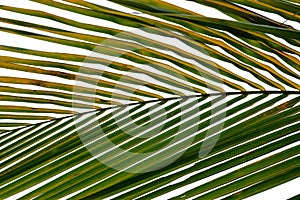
{"points": [[86, 171]]}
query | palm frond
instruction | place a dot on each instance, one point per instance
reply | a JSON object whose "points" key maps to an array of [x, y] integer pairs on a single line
{"points": [[229, 128]]}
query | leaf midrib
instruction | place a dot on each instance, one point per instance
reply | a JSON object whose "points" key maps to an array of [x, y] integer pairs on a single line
{"points": [[287, 92]]}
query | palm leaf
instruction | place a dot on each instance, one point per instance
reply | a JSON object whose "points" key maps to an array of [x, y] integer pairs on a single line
{"points": [[79, 126]]}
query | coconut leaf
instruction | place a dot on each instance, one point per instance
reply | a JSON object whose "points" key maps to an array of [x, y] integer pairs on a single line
{"points": [[149, 99]]}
